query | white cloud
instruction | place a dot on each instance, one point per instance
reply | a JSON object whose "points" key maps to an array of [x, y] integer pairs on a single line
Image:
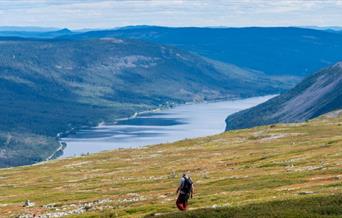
{"points": [[112, 13]]}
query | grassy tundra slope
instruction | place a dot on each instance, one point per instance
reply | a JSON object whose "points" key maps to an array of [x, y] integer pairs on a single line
{"points": [[267, 170], [51, 86]]}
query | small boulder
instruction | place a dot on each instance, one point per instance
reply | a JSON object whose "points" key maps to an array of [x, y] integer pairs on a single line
{"points": [[28, 203], [306, 193]]}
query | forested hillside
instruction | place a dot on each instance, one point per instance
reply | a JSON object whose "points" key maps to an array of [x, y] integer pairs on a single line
{"points": [[52, 86], [272, 50]]}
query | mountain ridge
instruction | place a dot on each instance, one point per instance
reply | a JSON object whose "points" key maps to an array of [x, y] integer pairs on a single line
{"points": [[259, 48], [315, 95]]}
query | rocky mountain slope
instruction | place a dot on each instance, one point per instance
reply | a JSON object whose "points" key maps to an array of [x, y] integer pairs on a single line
{"points": [[276, 51], [316, 95], [288, 170], [51, 86]]}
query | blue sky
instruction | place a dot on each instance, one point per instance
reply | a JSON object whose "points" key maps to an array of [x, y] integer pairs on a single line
{"points": [[78, 14]]}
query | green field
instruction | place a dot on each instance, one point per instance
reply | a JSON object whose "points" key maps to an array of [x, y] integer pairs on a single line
{"points": [[289, 170]]}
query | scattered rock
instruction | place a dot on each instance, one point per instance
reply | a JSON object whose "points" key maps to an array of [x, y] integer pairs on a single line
{"points": [[172, 175], [307, 168], [49, 206], [28, 203], [306, 193], [273, 137], [333, 114], [338, 177], [73, 209], [238, 177]]}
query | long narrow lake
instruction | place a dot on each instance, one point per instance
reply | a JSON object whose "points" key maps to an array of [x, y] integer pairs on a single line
{"points": [[181, 122]]}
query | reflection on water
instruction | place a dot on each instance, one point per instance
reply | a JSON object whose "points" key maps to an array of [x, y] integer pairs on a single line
{"points": [[185, 121], [151, 120]]}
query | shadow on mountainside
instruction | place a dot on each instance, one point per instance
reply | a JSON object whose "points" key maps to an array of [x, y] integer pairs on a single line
{"points": [[317, 206]]}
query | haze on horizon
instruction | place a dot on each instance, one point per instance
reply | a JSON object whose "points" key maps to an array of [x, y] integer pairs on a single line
{"points": [[78, 14]]}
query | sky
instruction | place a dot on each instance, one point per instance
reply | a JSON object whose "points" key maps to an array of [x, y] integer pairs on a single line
{"points": [[79, 14]]}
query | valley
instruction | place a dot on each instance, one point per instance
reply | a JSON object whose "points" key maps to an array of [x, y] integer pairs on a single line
{"points": [[155, 127], [56, 86], [170, 109], [55, 82]]}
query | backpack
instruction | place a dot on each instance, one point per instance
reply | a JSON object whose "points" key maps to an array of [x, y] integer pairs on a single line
{"points": [[186, 189]]}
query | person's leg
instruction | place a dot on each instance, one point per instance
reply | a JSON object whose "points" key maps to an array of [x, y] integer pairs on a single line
{"points": [[185, 205], [185, 202], [180, 205]]}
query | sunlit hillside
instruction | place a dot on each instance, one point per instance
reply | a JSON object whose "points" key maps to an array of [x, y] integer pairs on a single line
{"points": [[262, 166]]}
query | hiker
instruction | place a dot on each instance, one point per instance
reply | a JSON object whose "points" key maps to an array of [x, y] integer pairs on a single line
{"points": [[185, 191]]}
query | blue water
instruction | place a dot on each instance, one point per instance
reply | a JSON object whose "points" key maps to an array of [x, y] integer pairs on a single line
{"points": [[181, 122]]}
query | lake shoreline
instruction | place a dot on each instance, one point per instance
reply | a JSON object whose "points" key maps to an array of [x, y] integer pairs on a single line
{"points": [[165, 106], [155, 110]]}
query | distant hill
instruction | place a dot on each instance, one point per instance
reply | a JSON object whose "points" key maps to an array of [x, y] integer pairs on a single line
{"points": [[275, 51], [34, 33], [51, 86], [265, 49], [28, 28], [327, 28], [316, 95]]}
